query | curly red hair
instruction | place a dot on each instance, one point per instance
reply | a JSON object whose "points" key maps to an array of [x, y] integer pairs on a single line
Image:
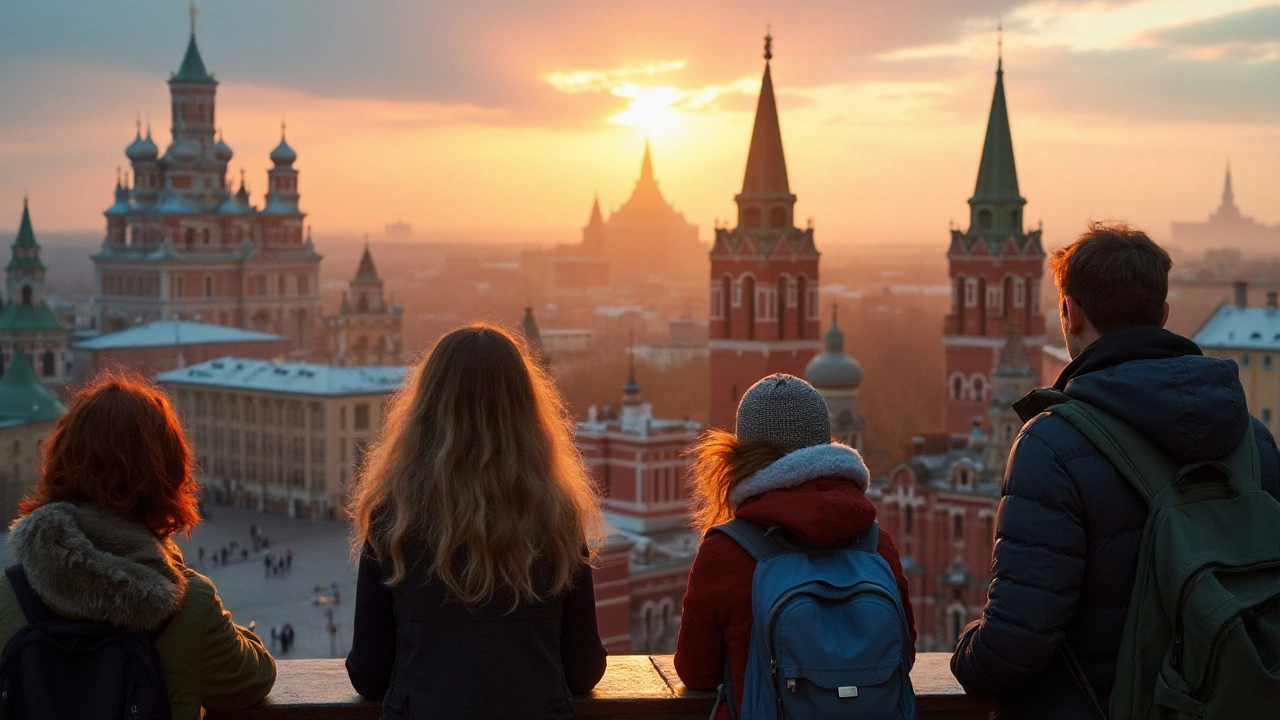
{"points": [[120, 446]]}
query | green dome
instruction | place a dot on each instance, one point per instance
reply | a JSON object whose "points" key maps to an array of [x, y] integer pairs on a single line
{"points": [[22, 396]]}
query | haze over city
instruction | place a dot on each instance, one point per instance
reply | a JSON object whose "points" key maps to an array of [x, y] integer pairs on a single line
{"points": [[493, 121]]}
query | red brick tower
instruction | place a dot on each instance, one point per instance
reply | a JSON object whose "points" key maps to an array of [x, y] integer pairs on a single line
{"points": [[764, 274], [995, 277]]}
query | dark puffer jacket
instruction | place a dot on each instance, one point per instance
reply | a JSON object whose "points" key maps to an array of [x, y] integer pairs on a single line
{"points": [[1069, 525]]}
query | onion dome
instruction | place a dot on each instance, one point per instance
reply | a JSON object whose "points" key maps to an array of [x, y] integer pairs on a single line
{"points": [[283, 154], [121, 205], [833, 368], [142, 149], [182, 151], [222, 150]]}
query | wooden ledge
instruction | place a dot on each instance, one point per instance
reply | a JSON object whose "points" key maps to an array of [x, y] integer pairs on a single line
{"points": [[634, 686]]}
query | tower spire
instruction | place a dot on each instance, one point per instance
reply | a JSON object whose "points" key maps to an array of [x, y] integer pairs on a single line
{"points": [[997, 173], [194, 12], [646, 165], [1000, 46], [768, 43], [1228, 195], [766, 174]]}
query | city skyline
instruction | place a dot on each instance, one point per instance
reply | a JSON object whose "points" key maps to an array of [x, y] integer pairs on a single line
{"points": [[1126, 109]]}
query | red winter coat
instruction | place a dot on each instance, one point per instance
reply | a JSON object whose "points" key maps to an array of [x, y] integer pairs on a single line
{"points": [[717, 603]]}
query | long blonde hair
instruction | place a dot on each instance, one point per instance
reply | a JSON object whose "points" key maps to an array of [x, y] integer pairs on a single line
{"points": [[477, 475], [720, 462]]}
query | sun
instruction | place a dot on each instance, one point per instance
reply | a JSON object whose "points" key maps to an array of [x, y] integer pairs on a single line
{"points": [[652, 109]]}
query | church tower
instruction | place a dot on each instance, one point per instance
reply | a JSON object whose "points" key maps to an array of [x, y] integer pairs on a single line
{"points": [[995, 268], [836, 377], [365, 330], [27, 325], [764, 274], [1012, 379]]}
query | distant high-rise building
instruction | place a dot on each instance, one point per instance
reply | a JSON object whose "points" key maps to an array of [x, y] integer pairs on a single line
{"points": [[764, 274], [365, 330], [181, 245], [1226, 227], [647, 237], [26, 322], [995, 269]]}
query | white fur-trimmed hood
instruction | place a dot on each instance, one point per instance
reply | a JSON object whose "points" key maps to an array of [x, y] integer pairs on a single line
{"points": [[88, 564], [833, 460]]}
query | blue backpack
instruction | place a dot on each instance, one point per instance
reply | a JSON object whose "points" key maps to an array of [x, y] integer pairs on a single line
{"points": [[829, 637]]}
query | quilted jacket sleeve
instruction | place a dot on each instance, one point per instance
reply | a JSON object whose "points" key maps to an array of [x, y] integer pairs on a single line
{"points": [[236, 670], [1038, 566]]}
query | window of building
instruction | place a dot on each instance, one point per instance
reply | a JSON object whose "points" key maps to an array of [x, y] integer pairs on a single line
{"points": [[342, 418], [957, 521], [302, 285], [281, 284], [48, 364], [971, 292], [190, 236], [1266, 415], [208, 286], [360, 417], [1244, 360], [1266, 362], [752, 218], [984, 219], [908, 520], [956, 620], [778, 218], [179, 288]]}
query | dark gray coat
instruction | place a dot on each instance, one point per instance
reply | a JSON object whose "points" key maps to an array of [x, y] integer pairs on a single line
{"points": [[1069, 525]]}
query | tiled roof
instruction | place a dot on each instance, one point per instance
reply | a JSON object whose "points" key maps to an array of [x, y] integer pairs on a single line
{"points": [[164, 333], [295, 378]]}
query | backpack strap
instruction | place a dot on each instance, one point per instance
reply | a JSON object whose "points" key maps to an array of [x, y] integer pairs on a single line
{"points": [[33, 607], [1148, 468], [869, 539], [755, 538]]}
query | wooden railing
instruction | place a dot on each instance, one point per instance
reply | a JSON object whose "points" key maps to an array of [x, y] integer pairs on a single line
{"points": [[634, 687]]}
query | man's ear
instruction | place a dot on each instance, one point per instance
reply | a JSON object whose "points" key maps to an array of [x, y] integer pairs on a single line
{"points": [[1165, 318], [1074, 316]]}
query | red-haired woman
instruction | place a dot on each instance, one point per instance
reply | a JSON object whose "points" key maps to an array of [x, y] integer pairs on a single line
{"points": [[93, 540]]}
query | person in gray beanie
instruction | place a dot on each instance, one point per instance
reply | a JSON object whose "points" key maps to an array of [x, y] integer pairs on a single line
{"points": [[779, 468]]}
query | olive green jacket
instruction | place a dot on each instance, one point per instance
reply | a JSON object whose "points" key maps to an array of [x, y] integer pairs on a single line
{"points": [[88, 564]]}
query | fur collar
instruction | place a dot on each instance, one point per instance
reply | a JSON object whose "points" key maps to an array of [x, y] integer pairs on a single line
{"points": [[796, 468], [88, 564]]}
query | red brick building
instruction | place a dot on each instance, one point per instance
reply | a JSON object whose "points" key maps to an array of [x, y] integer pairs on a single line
{"points": [[637, 461], [764, 274], [995, 269]]}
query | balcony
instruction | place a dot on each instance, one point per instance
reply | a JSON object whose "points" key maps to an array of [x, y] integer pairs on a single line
{"points": [[635, 686]]}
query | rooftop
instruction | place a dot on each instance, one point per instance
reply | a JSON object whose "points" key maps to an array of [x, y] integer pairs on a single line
{"points": [[166, 333], [1244, 328], [295, 378]]}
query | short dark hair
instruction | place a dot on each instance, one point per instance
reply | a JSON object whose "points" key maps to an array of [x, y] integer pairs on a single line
{"points": [[1116, 274]]}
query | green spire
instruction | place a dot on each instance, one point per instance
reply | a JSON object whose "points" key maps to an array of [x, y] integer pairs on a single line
{"points": [[26, 251], [997, 174], [192, 69], [22, 396]]}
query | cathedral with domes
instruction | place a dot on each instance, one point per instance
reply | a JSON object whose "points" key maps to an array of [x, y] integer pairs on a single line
{"points": [[183, 243]]}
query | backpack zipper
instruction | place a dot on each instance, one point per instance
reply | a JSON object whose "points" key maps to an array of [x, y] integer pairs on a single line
{"points": [[1220, 641], [1191, 584], [773, 624]]}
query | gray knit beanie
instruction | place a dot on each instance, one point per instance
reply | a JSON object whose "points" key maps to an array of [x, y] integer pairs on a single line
{"points": [[786, 411]]}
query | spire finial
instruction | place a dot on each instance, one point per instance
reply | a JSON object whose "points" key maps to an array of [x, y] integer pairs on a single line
{"points": [[1000, 45], [835, 309], [194, 12], [148, 123], [768, 42], [282, 126], [138, 124], [241, 176], [24, 197]]}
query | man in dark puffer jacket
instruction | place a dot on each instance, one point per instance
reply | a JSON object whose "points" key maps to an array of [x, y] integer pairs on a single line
{"points": [[1069, 525]]}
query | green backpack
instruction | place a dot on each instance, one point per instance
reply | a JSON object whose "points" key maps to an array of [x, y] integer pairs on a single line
{"points": [[1202, 635]]}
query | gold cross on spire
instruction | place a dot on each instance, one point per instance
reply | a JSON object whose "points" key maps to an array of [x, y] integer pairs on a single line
{"points": [[194, 12]]}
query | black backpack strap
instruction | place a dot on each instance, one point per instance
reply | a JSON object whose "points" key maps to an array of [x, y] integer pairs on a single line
{"points": [[756, 539], [32, 606]]}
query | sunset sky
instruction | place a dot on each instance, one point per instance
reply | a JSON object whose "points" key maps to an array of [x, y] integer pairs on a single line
{"points": [[488, 119]]}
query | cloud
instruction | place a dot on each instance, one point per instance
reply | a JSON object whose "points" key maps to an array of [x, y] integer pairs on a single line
{"points": [[1251, 35]]}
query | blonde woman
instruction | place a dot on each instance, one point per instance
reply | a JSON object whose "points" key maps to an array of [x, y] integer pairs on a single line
{"points": [[474, 520]]}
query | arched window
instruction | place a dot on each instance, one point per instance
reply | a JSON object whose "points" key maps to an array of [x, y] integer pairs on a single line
{"points": [[802, 305], [957, 388], [208, 286], [1015, 220], [191, 236], [957, 522], [777, 218], [48, 364], [751, 218], [26, 295], [957, 303], [783, 282], [726, 294], [977, 388], [749, 298], [362, 303], [984, 219], [955, 618], [908, 520], [982, 306]]}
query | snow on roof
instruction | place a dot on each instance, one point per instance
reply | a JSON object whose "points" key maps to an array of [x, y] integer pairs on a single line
{"points": [[1256, 328], [296, 378], [166, 333]]}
